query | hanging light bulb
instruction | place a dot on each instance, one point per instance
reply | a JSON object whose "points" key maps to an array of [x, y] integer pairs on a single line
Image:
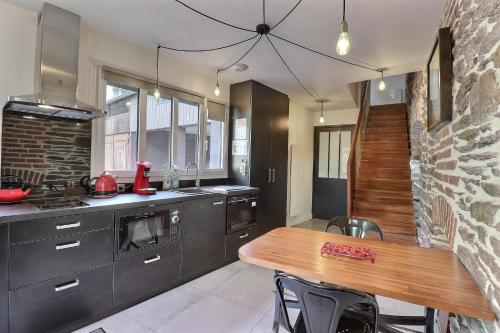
{"points": [[157, 89], [381, 84], [322, 118], [343, 43], [217, 88]]}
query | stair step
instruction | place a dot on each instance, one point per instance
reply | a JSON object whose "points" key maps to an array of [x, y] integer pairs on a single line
{"points": [[392, 208], [395, 130]]}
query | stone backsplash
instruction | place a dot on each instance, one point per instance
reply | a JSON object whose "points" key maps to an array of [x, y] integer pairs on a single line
{"points": [[45, 151], [460, 164]]}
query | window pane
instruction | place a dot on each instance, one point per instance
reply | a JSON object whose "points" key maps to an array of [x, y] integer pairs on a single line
{"points": [[334, 155], [121, 127], [324, 138], [187, 137], [158, 132], [214, 139]]}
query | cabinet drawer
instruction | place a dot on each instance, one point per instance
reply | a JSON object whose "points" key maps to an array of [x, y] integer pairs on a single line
{"points": [[143, 275], [238, 239], [48, 305], [59, 226], [38, 261]]}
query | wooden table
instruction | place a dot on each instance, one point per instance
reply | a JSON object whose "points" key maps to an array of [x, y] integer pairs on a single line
{"points": [[429, 277]]}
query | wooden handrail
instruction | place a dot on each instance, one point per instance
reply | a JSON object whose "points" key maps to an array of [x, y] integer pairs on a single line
{"points": [[355, 154]]}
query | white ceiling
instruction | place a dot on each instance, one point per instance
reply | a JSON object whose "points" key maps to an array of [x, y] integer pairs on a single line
{"points": [[393, 34]]}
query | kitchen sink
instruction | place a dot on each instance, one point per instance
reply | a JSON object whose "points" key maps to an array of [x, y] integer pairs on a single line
{"points": [[193, 191]]}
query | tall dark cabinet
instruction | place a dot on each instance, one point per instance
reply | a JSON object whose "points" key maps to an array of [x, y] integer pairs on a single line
{"points": [[4, 296], [258, 148]]}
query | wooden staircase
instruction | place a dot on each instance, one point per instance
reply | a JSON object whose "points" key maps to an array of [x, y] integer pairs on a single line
{"points": [[382, 191]]}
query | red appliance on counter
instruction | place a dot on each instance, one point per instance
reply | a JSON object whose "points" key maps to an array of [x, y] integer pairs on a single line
{"points": [[105, 185], [141, 182], [11, 195]]}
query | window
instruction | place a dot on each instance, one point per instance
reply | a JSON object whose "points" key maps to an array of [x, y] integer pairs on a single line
{"points": [[159, 132], [187, 135], [334, 149], [214, 136], [121, 127], [171, 130]]}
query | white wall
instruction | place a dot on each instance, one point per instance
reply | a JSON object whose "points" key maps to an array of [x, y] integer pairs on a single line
{"points": [[17, 56], [337, 117], [300, 164]]}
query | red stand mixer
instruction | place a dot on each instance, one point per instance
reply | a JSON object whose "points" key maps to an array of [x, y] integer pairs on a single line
{"points": [[141, 182]]}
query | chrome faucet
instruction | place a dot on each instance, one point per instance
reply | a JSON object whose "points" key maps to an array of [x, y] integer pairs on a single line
{"points": [[197, 175]]}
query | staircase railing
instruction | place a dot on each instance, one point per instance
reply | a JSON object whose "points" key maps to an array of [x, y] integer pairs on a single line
{"points": [[359, 136]]}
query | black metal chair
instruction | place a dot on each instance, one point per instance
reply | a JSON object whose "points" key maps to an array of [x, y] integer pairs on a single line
{"points": [[355, 227], [325, 308]]}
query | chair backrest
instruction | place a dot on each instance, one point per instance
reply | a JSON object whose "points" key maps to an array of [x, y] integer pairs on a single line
{"points": [[321, 306], [355, 227]]}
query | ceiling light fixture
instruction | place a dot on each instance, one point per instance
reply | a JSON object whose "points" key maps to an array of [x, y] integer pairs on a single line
{"points": [[157, 89], [240, 67], [322, 101], [217, 88], [264, 29], [343, 43], [381, 85]]}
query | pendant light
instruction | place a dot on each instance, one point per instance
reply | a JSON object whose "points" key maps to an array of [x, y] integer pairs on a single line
{"points": [[321, 118], [343, 43], [157, 89], [381, 85], [217, 88]]}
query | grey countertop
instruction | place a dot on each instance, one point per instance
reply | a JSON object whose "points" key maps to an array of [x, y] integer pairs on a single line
{"points": [[26, 211]]}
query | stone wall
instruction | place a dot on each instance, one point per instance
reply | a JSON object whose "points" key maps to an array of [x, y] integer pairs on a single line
{"points": [[42, 151], [460, 164]]}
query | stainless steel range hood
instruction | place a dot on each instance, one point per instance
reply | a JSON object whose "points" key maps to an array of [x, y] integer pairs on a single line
{"points": [[56, 66]]}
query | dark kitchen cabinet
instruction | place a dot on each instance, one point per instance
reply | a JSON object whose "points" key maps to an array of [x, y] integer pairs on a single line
{"points": [[236, 240], [33, 262], [265, 113], [48, 305], [4, 269], [202, 235], [146, 274]]}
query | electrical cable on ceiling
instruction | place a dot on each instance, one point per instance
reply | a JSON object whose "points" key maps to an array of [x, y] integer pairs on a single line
{"points": [[264, 29], [209, 50], [289, 69], [220, 70], [284, 18]]}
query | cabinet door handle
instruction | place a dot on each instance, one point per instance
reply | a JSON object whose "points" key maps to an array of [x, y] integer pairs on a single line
{"points": [[68, 285], [269, 175], [245, 235], [218, 203], [151, 260], [274, 175], [67, 245], [68, 226]]}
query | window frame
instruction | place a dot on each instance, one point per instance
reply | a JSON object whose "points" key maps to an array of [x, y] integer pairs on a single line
{"points": [[145, 86]]}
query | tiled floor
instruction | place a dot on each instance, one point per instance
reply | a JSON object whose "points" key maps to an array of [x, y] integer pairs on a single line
{"points": [[236, 298]]}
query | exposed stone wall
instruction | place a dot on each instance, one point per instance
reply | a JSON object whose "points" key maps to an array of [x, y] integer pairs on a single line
{"points": [[42, 151], [460, 164]]}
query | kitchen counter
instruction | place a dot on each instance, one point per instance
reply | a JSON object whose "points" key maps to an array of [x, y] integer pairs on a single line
{"points": [[26, 211]]}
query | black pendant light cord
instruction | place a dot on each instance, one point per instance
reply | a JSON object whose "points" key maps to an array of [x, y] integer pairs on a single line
{"points": [[157, 65], [290, 70], [212, 49], [369, 67], [220, 70], [213, 18], [288, 14], [264, 11], [343, 12]]}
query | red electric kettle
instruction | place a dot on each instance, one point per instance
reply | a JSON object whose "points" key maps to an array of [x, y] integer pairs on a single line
{"points": [[10, 195], [103, 186]]}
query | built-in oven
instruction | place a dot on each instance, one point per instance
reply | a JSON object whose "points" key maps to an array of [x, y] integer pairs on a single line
{"points": [[241, 212], [144, 229]]}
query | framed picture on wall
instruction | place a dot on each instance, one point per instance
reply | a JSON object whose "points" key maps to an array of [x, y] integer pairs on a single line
{"points": [[439, 82]]}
